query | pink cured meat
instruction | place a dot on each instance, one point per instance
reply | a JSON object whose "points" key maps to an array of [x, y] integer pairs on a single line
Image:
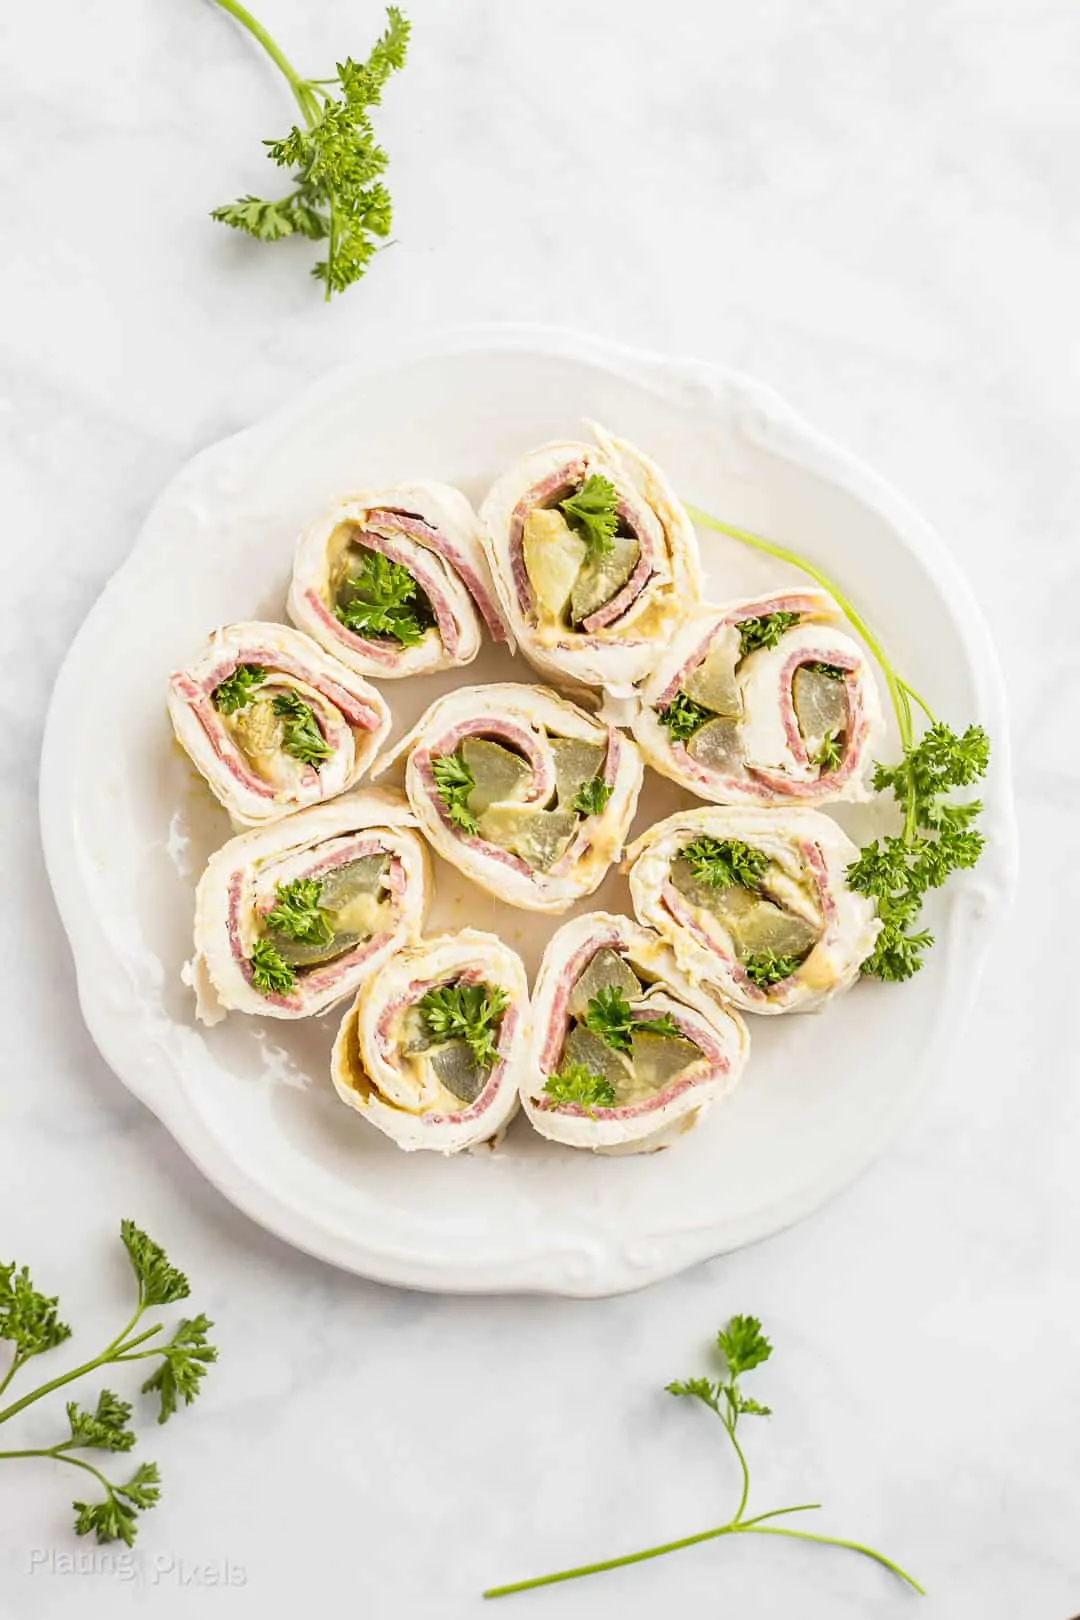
{"points": [[412, 524], [548, 492]]}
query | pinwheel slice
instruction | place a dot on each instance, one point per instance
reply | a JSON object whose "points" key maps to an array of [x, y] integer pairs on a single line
{"points": [[594, 558], [292, 918], [395, 582], [522, 791], [764, 701], [627, 1052], [433, 1048], [755, 903], [273, 723]]}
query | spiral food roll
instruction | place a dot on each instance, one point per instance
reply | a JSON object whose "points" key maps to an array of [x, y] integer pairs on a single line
{"points": [[274, 723], [755, 903], [522, 791], [395, 582], [594, 558], [292, 918], [627, 1052], [432, 1050], [764, 701]]}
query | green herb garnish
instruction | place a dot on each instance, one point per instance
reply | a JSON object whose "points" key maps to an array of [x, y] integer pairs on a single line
{"points": [[592, 514], [764, 631], [722, 862], [301, 736], [454, 782], [608, 1016], [574, 1083], [377, 606], [236, 690], [831, 672], [337, 195], [270, 972], [765, 968], [897, 871], [938, 838], [29, 1321], [297, 914], [683, 717], [742, 1346], [468, 1012], [591, 797], [830, 753]]}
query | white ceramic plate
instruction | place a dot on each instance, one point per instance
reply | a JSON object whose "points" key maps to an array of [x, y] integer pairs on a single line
{"points": [[127, 827]]}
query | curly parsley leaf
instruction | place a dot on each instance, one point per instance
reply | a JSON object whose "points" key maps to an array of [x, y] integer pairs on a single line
{"points": [[575, 1083], [270, 972], [28, 1319], [337, 194], [236, 690], [683, 717], [378, 605], [116, 1518], [830, 753], [592, 513], [468, 1012], [160, 1283], [297, 914], [591, 797], [722, 862], [454, 781], [765, 968], [183, 1366], [743, 1345], [104, 1429], [831, 672], [938, 838], [764, 631], [300, 734], [608, 1016]]}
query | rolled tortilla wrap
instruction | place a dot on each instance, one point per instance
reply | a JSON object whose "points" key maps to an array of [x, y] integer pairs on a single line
{"points": [[600, 614], [755, 904], [395, 582], [764, 701], [522, 791], [291, 919], [274, 723], [612, 1006], [433, 1048]]}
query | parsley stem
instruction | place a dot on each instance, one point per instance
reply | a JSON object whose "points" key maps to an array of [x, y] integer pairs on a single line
{"points": [[297, 85], [17, 1362], [113, 1351], [59, 1455], [730, 1427], [836, 1541]]}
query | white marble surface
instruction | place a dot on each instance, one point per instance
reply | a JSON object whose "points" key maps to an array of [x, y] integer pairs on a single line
{"points": [[872, 207]]}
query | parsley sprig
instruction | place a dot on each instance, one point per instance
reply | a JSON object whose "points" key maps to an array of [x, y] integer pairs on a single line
{"points": [[829, 754], [608, 1015], [764, 631], [300, 734], [235, 691], [467, 1012], [29, 1321], [576, 1083], [454, 781], [270, 972], [723, 862], [937, 837], [592, 513], [337, 194], [765, 968], [742, 1346], [378, 605], [297, 914], [591, 797], [683, 717]]}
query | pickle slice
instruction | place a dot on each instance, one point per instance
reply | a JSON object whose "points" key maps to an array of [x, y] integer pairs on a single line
{"points": [[303, 955], [457, 1069], [575, 764], [343, 883], [606, 970], [821, 703], [538, 836], [582, 1046], [499, 774], [713, 683], [553, 556], [603, 576], [717, 745], [258, 731], [658, 1059]]}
